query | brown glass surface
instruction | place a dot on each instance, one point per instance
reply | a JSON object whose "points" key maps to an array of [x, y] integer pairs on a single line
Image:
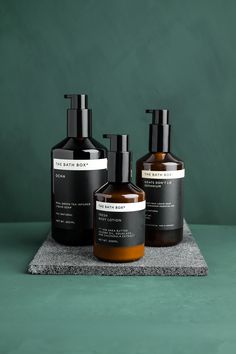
{"points": [[160, 161], [119, 193]]}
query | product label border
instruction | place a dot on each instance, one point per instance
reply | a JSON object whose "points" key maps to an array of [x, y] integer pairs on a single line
{"points": [[120, 207], [79, 165], [150, 174]]}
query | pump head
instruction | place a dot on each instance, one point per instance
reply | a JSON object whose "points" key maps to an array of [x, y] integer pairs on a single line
{"points": [[119, 158], [159, 132], [159, 116], [78, 101], [79, 117]]}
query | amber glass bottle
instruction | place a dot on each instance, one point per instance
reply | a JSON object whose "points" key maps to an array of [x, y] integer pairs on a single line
{"points": [[160, 174], [119, 217]]}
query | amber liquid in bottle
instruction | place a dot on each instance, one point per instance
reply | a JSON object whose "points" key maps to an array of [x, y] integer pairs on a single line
{"points": [[160, 174], [119, 193], [119, 216]]}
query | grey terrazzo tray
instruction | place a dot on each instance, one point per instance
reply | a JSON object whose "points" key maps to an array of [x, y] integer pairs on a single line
{"points": [[181, 260]]}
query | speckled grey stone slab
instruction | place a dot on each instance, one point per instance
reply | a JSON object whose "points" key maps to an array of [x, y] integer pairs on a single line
{"points": [[183, 259]]}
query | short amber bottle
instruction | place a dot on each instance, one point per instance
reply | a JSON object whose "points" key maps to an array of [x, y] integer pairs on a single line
{"points": [[119, 216], [160, 174]]}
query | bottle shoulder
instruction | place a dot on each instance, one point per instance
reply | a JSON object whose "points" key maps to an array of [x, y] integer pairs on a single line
{"points": [[61, 144], [160, 160], [79, 148], [120, 193]]}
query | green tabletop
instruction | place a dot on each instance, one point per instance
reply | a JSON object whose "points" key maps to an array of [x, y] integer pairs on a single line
{"points": [[88, 314]]}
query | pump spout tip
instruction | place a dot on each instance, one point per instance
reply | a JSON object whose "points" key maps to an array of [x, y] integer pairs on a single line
{"points": [[107, 136]]}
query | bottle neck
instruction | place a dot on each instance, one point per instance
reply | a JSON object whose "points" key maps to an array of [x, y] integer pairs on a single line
{"points": [[119, 167], [159, 138], [79, 123]]}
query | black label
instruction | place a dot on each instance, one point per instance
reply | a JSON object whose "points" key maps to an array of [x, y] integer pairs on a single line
{"points": [[164, 203], [120, 229], [73, 197]]}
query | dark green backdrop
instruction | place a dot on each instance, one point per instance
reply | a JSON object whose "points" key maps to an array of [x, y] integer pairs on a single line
{"points": [[128, 55]]}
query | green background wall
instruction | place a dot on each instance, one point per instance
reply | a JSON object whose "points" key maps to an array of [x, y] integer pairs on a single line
{"points": [[128, 55]]}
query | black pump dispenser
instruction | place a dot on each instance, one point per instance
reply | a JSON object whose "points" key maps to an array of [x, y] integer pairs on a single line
{"points": [[119, 158], [159, 132], [79, 117]]}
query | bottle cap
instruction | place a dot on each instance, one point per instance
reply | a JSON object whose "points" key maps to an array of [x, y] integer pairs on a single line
{"points": [[159, 131], [79, 117], [119, 158]]}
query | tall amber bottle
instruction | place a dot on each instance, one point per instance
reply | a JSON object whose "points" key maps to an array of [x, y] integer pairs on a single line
{"points": [[160, 174], [119, 217]]}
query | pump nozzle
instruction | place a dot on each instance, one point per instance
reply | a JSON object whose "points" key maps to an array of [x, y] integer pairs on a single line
{"points": [[159, 133], [119, 158], [79, 117], [78, 101], [159, 116]]}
